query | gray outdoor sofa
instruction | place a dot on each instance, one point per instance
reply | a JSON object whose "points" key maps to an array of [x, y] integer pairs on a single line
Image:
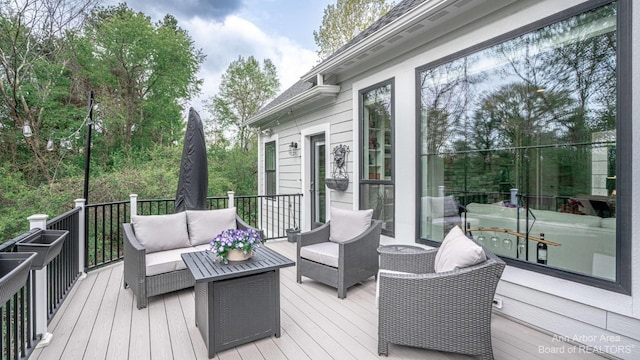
{"points": [[446, 311], [341, 257], [153, 245]]}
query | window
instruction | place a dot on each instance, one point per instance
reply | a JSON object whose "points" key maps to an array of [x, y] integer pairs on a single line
{"points": [[270, 168], [519, 143], [376, 141]]}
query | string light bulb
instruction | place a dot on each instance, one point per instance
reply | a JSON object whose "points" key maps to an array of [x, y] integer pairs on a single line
{"points": [[66, 144], [26, 129], [50, 144]]}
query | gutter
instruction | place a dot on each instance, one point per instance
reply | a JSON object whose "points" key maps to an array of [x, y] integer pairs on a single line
{"points": [[315, 93]]}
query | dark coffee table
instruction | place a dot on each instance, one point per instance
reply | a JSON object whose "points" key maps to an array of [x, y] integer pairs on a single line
{"points": [[238, 302]]}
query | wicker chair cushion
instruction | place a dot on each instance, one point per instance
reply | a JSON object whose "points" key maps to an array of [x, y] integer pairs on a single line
{"points": [[458, 251], [324, 253], [161, 232], [347, 224], [204, 225], [161, 262]]}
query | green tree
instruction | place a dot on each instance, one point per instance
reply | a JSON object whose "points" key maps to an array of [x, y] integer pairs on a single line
{"points": [[344, 20], [245, 89], [142, 73], [34, 82]]}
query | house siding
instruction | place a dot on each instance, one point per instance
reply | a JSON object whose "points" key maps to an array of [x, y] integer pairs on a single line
{"points": [[601, 319], [337, 118]]}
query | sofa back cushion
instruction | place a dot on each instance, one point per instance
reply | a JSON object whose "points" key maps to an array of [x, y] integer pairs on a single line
{"points": [[204, 225], [161, 232], [347, 224], [458, 251]]}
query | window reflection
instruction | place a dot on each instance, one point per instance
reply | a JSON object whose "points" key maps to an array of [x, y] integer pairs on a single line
{"points": [[376, 173], [522, 137]]}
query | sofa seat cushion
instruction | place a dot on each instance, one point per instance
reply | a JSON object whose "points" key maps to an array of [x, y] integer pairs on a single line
{"points": [[161, 262], [204, 225], [609, 223], [324, 253], [458, 251], [203, 247], [347, 224], [161, 232]]}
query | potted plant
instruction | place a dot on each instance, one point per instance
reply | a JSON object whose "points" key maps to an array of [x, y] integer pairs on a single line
{"points": [[235, 244], [291, 234]]}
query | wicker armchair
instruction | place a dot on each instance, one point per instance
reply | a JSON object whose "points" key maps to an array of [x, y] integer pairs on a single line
{"points": [[448, 311], [357, 258]]}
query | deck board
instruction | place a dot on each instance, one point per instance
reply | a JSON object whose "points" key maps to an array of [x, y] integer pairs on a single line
{"points": [[77, 344], [160, 339], [70, 313], [120, 334], [139, 346], [98, 344], [99, 320], [178, 329]]}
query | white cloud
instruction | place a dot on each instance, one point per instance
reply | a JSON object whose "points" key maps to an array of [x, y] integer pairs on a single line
{"points": [[224, 42]]}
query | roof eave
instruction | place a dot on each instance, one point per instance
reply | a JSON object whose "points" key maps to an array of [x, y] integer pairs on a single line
{"points": [[310, 96], [397, 26]]}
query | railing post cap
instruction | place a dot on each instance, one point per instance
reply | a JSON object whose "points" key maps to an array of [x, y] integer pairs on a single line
{"points": [[231, 192], [38, 217], [133, 195], [79, 201]]}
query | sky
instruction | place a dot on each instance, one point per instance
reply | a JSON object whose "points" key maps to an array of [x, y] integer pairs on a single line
{"points": [[280, 30]]}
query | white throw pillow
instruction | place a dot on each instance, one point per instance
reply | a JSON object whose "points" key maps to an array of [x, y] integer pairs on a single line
{"points": [[204, 225], [161, 232], [458, 251], [347, 224]]}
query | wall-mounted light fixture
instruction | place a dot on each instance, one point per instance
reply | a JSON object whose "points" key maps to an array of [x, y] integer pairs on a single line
{"points": [[293, 148]]}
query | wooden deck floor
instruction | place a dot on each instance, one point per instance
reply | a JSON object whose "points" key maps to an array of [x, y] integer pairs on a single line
{"points": [[99, 320]]}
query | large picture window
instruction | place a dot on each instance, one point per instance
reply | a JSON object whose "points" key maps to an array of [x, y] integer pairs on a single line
{"points": [[519, 146], [377, 188], [270, 168]]}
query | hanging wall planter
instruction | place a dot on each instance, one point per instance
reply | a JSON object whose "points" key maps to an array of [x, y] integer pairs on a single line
{"points": [[340, 178], [45, 243], [14, 270], [337, 184]]}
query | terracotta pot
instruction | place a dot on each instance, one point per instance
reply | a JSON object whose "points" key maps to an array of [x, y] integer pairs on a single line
{"points": [[238, 255]]}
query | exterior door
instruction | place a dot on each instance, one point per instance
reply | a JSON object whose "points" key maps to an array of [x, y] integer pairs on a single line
{"points": [[318, 175]]}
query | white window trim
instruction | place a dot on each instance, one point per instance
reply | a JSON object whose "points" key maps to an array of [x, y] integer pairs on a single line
{"points": [[305, 169], [264, 139]]}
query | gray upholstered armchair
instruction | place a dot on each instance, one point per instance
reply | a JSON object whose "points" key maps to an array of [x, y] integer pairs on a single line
{"points": [[335, 258], [448, 311]]}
